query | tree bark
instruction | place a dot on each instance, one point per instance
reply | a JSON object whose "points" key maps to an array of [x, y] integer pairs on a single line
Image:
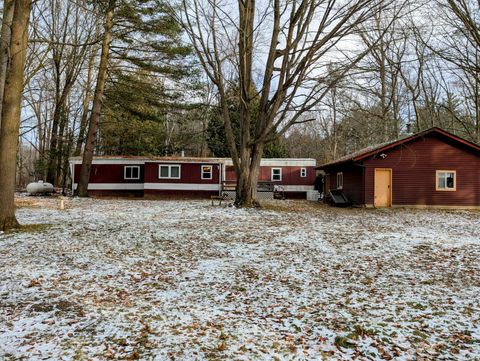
{"points": [[246, 187], [86, 101], [5, 36], [11, 109], [82, 190], [246, 195]]}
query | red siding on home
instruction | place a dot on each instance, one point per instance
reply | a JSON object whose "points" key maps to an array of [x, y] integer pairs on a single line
{"points": [[352, 182], [290, 175], [108, 173], [414, 167], [108, 178], [189, 173]]}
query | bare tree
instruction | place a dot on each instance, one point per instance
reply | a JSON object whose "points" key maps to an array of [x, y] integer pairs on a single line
{"points": [[87, 88], [284, 51], [467, 13], [61, 34], [459, 46], [382, 70], [11, 108], [70, 39], [94, 120]]}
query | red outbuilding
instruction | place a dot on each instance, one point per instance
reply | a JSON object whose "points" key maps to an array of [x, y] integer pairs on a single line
{"points": [[192, 177], [432, 168]]}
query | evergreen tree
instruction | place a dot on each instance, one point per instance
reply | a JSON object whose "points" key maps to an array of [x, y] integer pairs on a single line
{"points": [[149, 83], [138, 111], [216, 136], [140, 37]]}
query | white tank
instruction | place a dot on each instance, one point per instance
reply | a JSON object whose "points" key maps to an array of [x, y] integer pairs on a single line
{"points": [[40, 187]]}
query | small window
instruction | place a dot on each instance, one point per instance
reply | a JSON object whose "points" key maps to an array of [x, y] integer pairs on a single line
{"points": [[446, 180], [164, 171], [207, 171], [174, 171], [276, 174], [131, 172], [169, 171], [303, 172], [340, 180]]}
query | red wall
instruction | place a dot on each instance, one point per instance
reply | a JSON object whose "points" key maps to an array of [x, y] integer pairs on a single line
{"points": [[352, 182], [108, 173], [189, 173], [414, 167], [290, 175]]}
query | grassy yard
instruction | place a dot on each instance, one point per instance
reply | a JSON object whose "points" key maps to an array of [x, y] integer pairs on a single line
{"points": [[136, 279]]}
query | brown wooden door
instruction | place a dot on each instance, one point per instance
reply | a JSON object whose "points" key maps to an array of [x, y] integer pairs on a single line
{"points": [[383, 187]]}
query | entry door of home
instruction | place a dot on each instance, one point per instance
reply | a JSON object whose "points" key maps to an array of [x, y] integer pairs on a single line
{"points": [[383, 187]]}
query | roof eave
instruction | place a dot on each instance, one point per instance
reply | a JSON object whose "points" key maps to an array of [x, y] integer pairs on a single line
{"points": [[394, 144]]}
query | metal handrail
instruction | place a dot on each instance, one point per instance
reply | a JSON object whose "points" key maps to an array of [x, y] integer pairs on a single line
{"points": [[264, 186]]}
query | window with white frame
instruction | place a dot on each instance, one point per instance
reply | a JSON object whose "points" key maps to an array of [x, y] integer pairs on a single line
{"points": [[340, 180], [169, 171], [276, 174], [131, 172], [446, 180], [303, 172], [207, 171]]}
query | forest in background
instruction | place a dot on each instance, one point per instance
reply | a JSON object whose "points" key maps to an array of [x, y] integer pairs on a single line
{"points": [[421, 70]]}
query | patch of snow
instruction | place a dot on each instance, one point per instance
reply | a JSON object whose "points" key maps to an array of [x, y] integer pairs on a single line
{"points": [[185, 280]]}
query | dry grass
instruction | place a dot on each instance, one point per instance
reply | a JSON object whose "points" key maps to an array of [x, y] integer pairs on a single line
{"points": [[50, 202], [35, 202]]}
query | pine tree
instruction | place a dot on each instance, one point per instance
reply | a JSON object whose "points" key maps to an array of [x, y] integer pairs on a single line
{"points": [[145, 39]]}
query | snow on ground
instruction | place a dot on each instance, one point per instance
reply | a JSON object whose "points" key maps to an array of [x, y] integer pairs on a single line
{"points": [[138, 279]]}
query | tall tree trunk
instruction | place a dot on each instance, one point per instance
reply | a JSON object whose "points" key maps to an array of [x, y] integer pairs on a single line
{"points": [[334, 107], [65, 165], [53, 151], [8, 7], [88, 95], [61, 146], [383, 92], [246, 186], [86, 102], [11, 109], [94, 121], [477, 108]]}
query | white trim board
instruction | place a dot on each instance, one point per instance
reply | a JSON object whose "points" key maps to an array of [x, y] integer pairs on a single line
{"points": [[112, 161], [279, 162], [178, 186], [112, 186], [292, 188], [184, 161], [282, 162], [182, 186]]}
